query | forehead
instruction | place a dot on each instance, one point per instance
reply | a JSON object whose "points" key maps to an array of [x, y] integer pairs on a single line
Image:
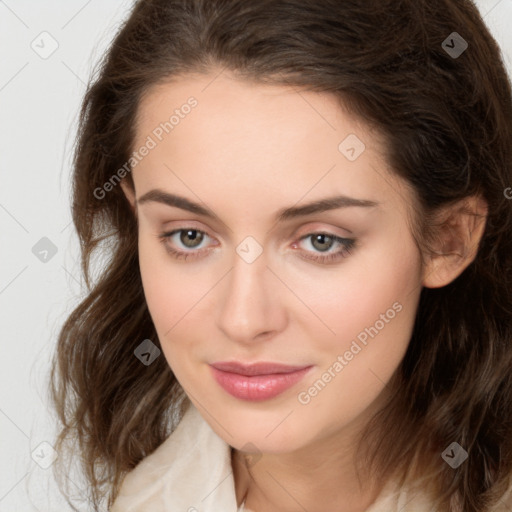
{"points": [[250, 135], [225, 102]]}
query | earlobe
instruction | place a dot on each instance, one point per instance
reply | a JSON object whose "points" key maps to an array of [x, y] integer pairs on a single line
{"points": [[460, 230]]}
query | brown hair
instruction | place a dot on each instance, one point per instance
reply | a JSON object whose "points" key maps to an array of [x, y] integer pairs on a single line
{"points": [[447, 123]]}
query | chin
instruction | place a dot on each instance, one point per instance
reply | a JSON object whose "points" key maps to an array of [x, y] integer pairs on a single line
{"points": [[261, 431]]}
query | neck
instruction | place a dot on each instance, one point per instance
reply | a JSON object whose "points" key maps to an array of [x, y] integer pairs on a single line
{"points": [[315, 478]]}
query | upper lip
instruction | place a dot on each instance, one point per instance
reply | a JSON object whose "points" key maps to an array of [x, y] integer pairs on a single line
{"points": [[259, 368]]}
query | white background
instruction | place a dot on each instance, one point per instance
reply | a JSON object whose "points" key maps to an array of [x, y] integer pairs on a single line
{"points": [[39, 102]]}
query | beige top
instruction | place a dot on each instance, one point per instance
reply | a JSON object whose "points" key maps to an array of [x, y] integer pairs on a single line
{"points": [[191, 472]]}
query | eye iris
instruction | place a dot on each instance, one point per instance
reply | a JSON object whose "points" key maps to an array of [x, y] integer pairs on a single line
{"points": [[192, 234], [322, 240]]}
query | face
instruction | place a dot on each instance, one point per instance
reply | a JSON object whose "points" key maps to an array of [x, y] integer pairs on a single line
{"points": [[329, 293]]}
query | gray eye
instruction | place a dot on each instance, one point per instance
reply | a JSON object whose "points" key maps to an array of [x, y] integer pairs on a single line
{"points": [[322, 242], [191, 238]]}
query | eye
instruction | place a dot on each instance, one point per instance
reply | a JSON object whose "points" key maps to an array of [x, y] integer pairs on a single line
{"points": [[323, 242], [190, 238]]}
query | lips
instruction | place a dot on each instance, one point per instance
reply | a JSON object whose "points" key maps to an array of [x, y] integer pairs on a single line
{"points": [[257, 381], [262, 368]]}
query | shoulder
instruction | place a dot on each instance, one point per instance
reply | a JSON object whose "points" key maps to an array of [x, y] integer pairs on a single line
{"points": [[147, 478], [181, 473]]}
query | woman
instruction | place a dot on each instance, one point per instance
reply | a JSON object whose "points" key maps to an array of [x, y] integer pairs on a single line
{"points": [[308, 300]]}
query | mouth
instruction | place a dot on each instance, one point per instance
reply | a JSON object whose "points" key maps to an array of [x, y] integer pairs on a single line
{"points": [[258, 381]]}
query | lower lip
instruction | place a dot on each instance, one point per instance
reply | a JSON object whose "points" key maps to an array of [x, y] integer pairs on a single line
{"points": [[257, 387]]}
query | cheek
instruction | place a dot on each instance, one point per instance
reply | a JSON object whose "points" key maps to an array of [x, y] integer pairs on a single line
{"points": [[175, 297], [168, 292], [168, 301], [372, 310], [161, 297], [365, 286]]}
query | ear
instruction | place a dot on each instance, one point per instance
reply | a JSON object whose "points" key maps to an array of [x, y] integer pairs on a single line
{"points": [[460, 229], [129, 192]]}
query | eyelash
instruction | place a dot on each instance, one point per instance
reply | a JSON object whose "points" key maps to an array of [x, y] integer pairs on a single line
{"points": [[348, 245]]}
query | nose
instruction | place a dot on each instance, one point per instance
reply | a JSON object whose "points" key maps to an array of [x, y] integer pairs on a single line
{"points": [[251, 307]]}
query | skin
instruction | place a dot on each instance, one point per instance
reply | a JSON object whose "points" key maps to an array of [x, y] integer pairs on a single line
{"points": [[246, 151]]}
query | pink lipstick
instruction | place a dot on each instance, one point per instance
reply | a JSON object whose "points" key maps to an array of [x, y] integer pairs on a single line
{"points": [[257, 381]]}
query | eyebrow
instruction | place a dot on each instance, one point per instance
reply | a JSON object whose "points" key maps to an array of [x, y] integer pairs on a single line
{"points": [[322, 205]]}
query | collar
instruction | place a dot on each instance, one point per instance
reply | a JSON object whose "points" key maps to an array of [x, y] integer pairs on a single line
{"points": [[189, 472]]}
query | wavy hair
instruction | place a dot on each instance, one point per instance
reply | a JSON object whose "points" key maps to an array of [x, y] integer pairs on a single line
{"points": [[447, 125]]}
